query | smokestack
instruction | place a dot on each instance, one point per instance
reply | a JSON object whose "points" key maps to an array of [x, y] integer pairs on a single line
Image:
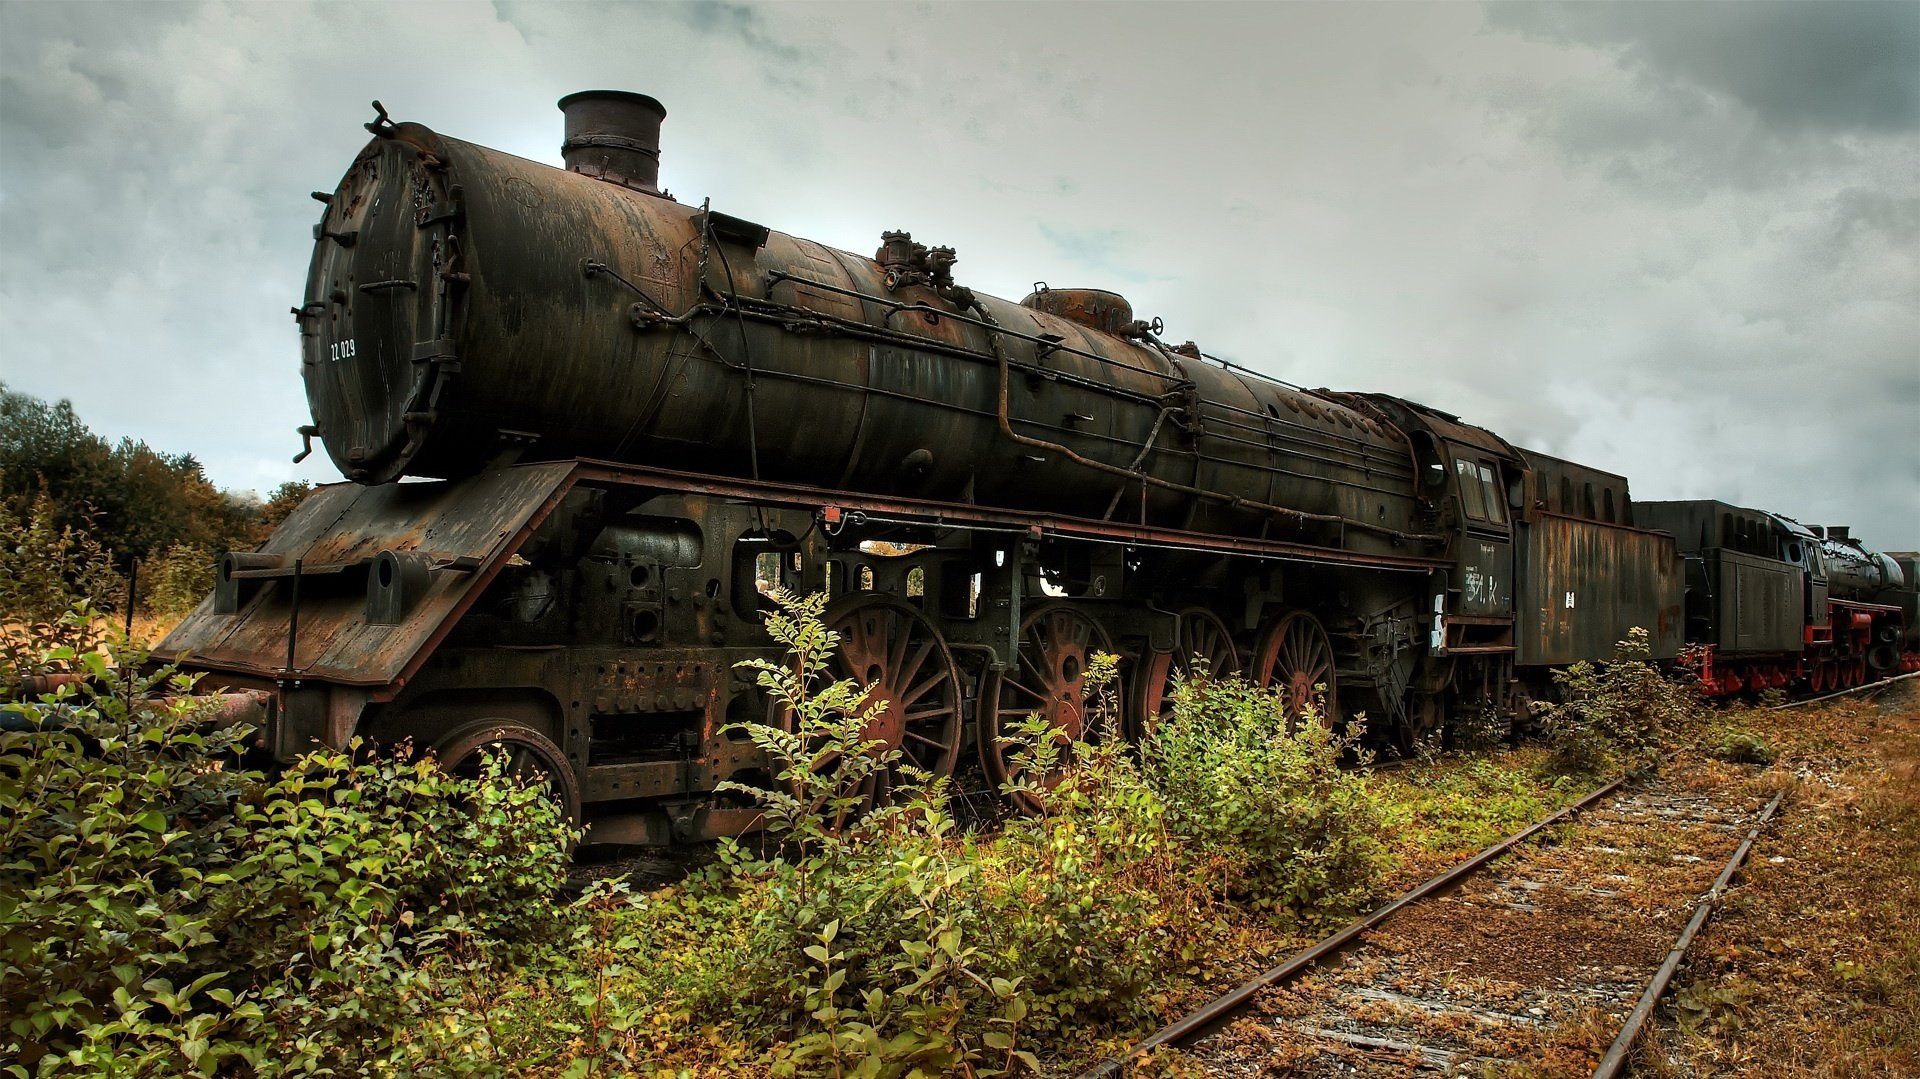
{"points": [[614, 135]]}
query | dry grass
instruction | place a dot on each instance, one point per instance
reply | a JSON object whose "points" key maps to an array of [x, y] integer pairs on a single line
{"points": [[1813, 966]]}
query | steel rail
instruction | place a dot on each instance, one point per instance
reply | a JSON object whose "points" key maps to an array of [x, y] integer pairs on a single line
{"points": [[1222, 1009], [1615, 1061], [1863, 687]]}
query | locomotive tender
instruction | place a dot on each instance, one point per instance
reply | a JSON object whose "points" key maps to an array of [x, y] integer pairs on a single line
{"points": [[626, 419]]}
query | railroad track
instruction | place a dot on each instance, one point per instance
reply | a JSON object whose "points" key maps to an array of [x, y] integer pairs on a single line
{"points": [[1518, 951], [1523, 952]]}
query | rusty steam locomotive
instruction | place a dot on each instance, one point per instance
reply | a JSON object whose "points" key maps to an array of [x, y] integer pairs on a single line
{"points": [[631, 418]]}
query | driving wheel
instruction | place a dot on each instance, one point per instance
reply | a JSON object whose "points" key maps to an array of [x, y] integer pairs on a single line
{"points": [[1202, 642], [892, 646], [1048, 679], [1296, 658]]}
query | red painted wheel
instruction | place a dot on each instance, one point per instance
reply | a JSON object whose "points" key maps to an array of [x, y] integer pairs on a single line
{"points": [[1197, 633], [892, 646], [1048, 679], [1816, 680], [1296, 657]]}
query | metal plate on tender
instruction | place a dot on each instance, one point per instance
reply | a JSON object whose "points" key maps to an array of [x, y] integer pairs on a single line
{"points": [[464, 528], [1758, 603], [1585, 583]]}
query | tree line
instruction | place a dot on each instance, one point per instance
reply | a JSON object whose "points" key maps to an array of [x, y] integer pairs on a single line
{"points": [[136, 504]]}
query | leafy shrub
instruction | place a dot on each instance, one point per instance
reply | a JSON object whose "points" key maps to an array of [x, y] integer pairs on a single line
{"points": [[1456, 808], [1291, 829], [1618, 712], [1743, 747], [164, 912], [47, 569], [1478, 729], [1082, 896]]}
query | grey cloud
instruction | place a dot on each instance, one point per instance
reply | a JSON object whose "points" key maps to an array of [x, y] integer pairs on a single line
{"points": [[1828, 65], [1860, 212], [1099, 250]]}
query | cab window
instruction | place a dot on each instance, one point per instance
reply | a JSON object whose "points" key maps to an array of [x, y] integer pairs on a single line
{"points": [[1472, 497], [1490, 490]]}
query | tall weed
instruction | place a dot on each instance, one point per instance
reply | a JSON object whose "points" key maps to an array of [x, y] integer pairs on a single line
{"points": [[51, 577], [889, 943], [1618, 713], [1268, 804]]}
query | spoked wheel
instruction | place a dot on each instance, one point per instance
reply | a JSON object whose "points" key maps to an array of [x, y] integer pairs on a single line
{"points": [[1425, 716], [1199, 633], [1295, 657], [1057, 641], [531, 757], [892, 646]]}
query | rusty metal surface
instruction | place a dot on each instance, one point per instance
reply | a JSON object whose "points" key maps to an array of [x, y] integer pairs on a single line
{"points": [[465, 531], [1577, 490], [1584, 584], [1448, 427], [1094, 307], [1909, 599], [1486, 576], [614, 135]]}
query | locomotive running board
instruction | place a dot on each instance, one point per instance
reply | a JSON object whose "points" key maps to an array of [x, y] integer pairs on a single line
{"points": [[475, 526]]}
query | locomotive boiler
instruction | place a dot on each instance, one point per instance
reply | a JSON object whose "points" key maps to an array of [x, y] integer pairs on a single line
{"points": [[625, 419], [464, 304]]}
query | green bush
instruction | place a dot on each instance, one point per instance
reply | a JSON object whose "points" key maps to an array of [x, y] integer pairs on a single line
{"points": [[165, 912], [1618, 713], [1743, 747], [880, 941], [1478, 729], [1291, 829], [47, 570]]}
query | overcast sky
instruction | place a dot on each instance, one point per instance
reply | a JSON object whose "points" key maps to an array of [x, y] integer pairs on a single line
{"points": [[1670, 240]]}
